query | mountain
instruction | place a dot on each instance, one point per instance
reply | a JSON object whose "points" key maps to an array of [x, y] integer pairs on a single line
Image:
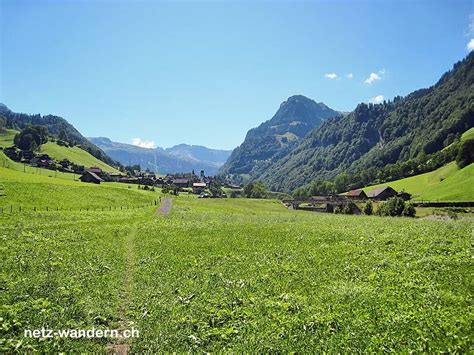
{"points": [[57, 126], [177, 159], [277, 137], [372, 136]]}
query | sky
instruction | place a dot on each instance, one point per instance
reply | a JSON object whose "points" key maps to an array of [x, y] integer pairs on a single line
{"points": [[157, 73]]}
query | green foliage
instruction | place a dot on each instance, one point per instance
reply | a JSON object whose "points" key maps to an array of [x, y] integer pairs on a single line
{"points": [[216, 189], [368, 208], [465, 153], [171, 189], [409, 210], [255, 190], [31, 137], [393, 207]]}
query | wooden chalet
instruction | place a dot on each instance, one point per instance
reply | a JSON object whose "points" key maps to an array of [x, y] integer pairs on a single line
{"points": [[382, 193], [357, 195], [89, 176], [181, 182]]}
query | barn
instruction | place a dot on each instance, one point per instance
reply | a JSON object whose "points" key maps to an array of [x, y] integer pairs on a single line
{"points": [[382, 193], [357, 195], [89, 176]]}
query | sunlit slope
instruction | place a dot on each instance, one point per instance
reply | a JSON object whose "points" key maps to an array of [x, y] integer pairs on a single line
{"points": [[75, 155], [448, 183]]}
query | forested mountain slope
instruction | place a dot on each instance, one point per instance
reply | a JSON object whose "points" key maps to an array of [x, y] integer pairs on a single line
{"points": [[373, 136], [276, 137]]}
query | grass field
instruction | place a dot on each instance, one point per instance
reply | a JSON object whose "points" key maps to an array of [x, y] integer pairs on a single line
{"points": [[235, 275], [45, 191], [448, 183]]}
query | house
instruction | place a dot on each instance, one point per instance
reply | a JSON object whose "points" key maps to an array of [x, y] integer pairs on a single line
{"points": [[181, 182], [96, 170], [41, 161], [199, 187], [357, 195], [382, 193], [115, 176], [89, 176]]}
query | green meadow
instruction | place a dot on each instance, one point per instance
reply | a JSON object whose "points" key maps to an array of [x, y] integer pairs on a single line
{"points": [[74, 154], [236, 275], [448, 183]]}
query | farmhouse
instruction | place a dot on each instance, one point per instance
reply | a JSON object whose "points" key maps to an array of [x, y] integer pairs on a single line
{"points": [[199, 187], [382, 193], [95, 170], [357, 195], [89, 176], [181, 182]]}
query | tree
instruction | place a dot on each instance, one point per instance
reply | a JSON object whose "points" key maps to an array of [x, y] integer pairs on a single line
{"points": [[215, 189], [341, 182], [31, 137], [465, 153], [255, 190]]}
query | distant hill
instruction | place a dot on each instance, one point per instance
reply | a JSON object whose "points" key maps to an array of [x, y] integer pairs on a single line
{"points": [[74, 154], [177, 159], [278, 136], [56, 126], [373, 136]]}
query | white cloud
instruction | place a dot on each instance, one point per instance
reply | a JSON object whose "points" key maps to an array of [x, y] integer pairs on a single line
{"points": [[372, 78], [470, 45], [330, 76], [144, 144], [470, 31], [350, 76], [377, 99]]}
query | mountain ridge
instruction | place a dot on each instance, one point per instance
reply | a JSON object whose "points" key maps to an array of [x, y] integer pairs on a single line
{"points": [[372, 136], [177, 159], [277, 136]]}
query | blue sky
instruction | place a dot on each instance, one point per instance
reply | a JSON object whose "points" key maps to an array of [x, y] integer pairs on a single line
{"points": [[206, 72]]}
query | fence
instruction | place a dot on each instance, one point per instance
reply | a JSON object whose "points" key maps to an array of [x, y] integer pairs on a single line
{"points": [[442, 203], [11, 209]]}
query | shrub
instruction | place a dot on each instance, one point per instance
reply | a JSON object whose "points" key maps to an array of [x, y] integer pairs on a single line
{"points": [[409, 211], [368, 208], [393, 207]]}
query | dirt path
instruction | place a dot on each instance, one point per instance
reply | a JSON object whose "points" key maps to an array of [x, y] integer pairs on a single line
{"points": [[121, 346], [165, 207]]}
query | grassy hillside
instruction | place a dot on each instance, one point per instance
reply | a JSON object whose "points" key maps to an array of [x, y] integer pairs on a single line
{"points": [[41, 191], [75, 155], [448, 183], [236, 274], [6, 138]]}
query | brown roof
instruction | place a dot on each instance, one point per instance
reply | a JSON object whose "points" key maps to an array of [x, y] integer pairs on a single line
{"points": [[355, 193], [94, 175], [180, 181], [378, 191]]}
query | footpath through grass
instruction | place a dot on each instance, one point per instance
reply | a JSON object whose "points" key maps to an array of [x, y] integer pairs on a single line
{"points": [[238, 275]]}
